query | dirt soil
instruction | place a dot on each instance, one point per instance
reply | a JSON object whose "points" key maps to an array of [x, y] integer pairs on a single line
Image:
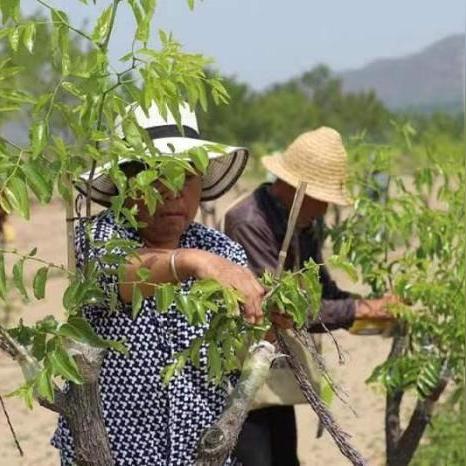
{"points": [[46, 231]]}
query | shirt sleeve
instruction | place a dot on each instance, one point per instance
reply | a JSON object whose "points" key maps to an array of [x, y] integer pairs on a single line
{"points": [[337, 309], [258, 243]]}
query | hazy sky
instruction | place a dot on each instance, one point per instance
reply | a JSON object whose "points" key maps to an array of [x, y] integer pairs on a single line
{"points": [[264, 41]]}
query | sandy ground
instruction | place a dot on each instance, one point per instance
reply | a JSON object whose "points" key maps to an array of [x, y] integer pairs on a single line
{"points": [[46, 230]]}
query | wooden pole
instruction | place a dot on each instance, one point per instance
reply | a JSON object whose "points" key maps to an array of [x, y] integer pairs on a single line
{"points": [[294, 212]]}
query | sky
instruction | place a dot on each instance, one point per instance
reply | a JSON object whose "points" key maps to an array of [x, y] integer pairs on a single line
{"points": [[266, 41]]}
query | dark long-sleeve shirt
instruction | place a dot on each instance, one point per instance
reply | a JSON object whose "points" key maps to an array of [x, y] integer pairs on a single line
{"points": [[258, 223]]}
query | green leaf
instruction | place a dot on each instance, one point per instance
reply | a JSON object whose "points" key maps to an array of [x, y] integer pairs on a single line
{"points": [[26, 392], [69, 296], [10, 9], [144, 274], [72, 88], [80, 329], [38, 284], [39, 186], [146, 178], [231, 302], [44, 385], [18, 278], [102, 25], [136, 301], [64, 365], [200, 158], [164, 295], [143, 19], [3, 288], [13, 37], [191, 4], [168, 372], [17, 195], [29, 36], [196, 352], [39, 136], [64, 47], [60, 18], [215, 364], [342, 264], [38, 346]]}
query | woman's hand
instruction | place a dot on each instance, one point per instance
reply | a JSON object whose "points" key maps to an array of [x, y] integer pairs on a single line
{"points": [[279, 320], [203, 264], [376, 309]]}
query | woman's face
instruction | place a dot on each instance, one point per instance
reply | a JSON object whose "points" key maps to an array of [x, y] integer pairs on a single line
{"points": [[172, 217]]}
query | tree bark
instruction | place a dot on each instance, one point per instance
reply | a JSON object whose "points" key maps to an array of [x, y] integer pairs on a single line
{"points": [[402, 445], [84, 418], [83, 411]]}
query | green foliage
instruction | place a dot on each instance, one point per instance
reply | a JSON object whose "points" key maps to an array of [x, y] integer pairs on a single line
{"points": [[411, 243], [229, 336], [61, 78]]}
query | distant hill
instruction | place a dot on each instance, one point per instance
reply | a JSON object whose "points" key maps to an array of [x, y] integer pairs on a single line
{"points": [[431, 79]]}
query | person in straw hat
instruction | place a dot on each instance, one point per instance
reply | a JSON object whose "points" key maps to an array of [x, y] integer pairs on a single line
{"points": [[150, 423], [258, 222]]}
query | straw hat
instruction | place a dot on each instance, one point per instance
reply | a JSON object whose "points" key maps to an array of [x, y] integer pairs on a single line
{"points": [[317, 157], [223, 170]]}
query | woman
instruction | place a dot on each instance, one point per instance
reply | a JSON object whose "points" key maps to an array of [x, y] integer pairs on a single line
{"points": [[148, 423]]}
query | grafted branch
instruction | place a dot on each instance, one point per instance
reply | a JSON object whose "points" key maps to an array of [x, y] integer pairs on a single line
{"points": [[219, 440]]}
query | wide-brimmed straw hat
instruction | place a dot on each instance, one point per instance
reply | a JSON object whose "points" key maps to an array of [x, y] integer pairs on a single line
{"points": [[317, 157], [226, 163]]}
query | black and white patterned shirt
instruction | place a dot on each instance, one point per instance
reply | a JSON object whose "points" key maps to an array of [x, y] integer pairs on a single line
{"points": [[149, 423]]}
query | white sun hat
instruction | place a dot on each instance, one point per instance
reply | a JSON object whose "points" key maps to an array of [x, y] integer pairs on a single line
{"points": [[318, 158], [226, 163]]}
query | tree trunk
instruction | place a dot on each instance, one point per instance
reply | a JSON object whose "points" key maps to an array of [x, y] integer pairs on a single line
{"points": [[83, 411], [84, 418], [402, 445]]}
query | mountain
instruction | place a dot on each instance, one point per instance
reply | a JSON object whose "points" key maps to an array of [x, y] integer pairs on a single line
{"points": [[428, 80]]}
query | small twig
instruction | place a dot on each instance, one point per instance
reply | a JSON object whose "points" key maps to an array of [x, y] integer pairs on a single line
{"points": [[10, 425], [309, 344], [294, 212], [14, 252], [341, 358], [62, 21]]}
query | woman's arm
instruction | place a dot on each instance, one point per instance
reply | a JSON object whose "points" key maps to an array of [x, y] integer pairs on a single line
{"points": [[198, 264]]}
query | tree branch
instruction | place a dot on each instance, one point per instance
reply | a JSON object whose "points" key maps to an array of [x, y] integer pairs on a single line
{"points": [[30, 368], [218, 441], [340, 437]]}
